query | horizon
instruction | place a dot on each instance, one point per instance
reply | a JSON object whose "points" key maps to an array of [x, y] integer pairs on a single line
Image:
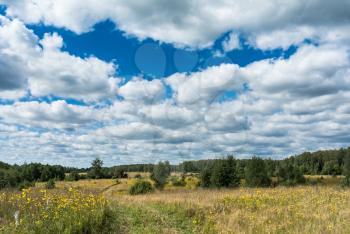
{"points": [[134, 83], [178, 163]]}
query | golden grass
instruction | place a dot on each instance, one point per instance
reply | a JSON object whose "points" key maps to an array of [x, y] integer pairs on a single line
{"points": [[304, 209], [322, 208], [88, 184]]}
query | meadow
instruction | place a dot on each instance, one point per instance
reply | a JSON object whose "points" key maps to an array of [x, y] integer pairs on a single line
{"points": [[104, 206]]}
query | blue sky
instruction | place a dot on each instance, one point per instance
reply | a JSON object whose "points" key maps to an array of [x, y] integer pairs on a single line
{"points": [[149, 57], [133, 83]]}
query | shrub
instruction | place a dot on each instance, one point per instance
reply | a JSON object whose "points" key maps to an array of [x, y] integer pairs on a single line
{"points": [[192, 182], [178, 182], [119, 173], [73, 176], [50, 184], [25, 184], [140, 187]]}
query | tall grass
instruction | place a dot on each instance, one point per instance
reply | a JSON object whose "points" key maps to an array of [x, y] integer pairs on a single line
{"points": [[305, 209], [43, 211]]}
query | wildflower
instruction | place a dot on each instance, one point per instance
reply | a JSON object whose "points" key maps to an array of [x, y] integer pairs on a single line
{"points": [[16, 216]]}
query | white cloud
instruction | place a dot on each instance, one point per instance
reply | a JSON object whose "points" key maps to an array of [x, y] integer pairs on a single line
{"points": [[292, 104], [57, 114], [139, 89], [15, 50], [311, 71], [231, 43], [186, 23], [205, 86], [283, 38], [48, 70]]}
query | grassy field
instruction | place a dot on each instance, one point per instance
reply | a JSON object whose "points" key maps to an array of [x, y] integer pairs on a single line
{"points": [[103, 206]]}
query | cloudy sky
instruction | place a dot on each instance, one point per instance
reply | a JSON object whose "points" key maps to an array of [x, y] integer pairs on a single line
{"points": [[142, 81]]}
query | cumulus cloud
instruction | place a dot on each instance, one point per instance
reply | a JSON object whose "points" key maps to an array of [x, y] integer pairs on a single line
{"points": [[231, 43], [272, 107], [41, 67], [292, 105], [57, 114], [205, 86], [312, 71], [139, 89], [185, 23], [15, 50]]}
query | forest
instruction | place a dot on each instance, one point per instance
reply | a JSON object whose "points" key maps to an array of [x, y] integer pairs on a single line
{"points": [[224, 172]]}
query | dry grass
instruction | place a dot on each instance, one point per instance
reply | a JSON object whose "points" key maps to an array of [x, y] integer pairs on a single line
{"points": [[321, 208], [305, 209], [88, 184]]}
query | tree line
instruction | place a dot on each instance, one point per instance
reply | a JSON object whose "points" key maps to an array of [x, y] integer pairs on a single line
{"points": [[25, 175], [225, 172]]}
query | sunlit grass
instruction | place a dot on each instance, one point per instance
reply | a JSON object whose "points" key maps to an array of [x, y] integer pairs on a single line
{"points": [[57, 211], [323, 207], [305, 209]]}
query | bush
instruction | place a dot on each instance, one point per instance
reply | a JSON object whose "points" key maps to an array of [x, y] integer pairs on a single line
{"points": [[50, 184], [119, 173], [25, 184], [178, 182], [192, 182], [140, 187], [73, 176]]}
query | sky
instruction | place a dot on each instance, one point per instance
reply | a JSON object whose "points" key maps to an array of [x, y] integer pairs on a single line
{"points": [[143, 81]]}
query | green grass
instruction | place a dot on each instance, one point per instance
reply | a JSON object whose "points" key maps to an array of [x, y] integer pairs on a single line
{"points": [[161, 217]]}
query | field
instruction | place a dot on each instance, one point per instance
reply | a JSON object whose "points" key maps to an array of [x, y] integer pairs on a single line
{"points": [[103, 206]]}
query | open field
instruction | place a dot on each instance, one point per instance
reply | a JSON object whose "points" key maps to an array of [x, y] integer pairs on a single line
{"points": [[322, 208]]}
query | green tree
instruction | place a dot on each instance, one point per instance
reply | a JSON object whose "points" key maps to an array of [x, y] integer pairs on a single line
{"points": [[346, 168], [205, 176], [188, 166], [160, 173], [256, 173], [289, 174], [224, 173], [47, 173], [96, 169], [119, 173]]}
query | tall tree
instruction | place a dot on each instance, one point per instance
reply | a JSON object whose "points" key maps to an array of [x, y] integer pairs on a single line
{"points": [[160, 173], [346, 168], [224, 173], [256, 173], [96, 168]]}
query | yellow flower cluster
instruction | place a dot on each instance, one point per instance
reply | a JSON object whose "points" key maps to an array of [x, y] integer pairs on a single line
{"points": [[50, 210]]}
